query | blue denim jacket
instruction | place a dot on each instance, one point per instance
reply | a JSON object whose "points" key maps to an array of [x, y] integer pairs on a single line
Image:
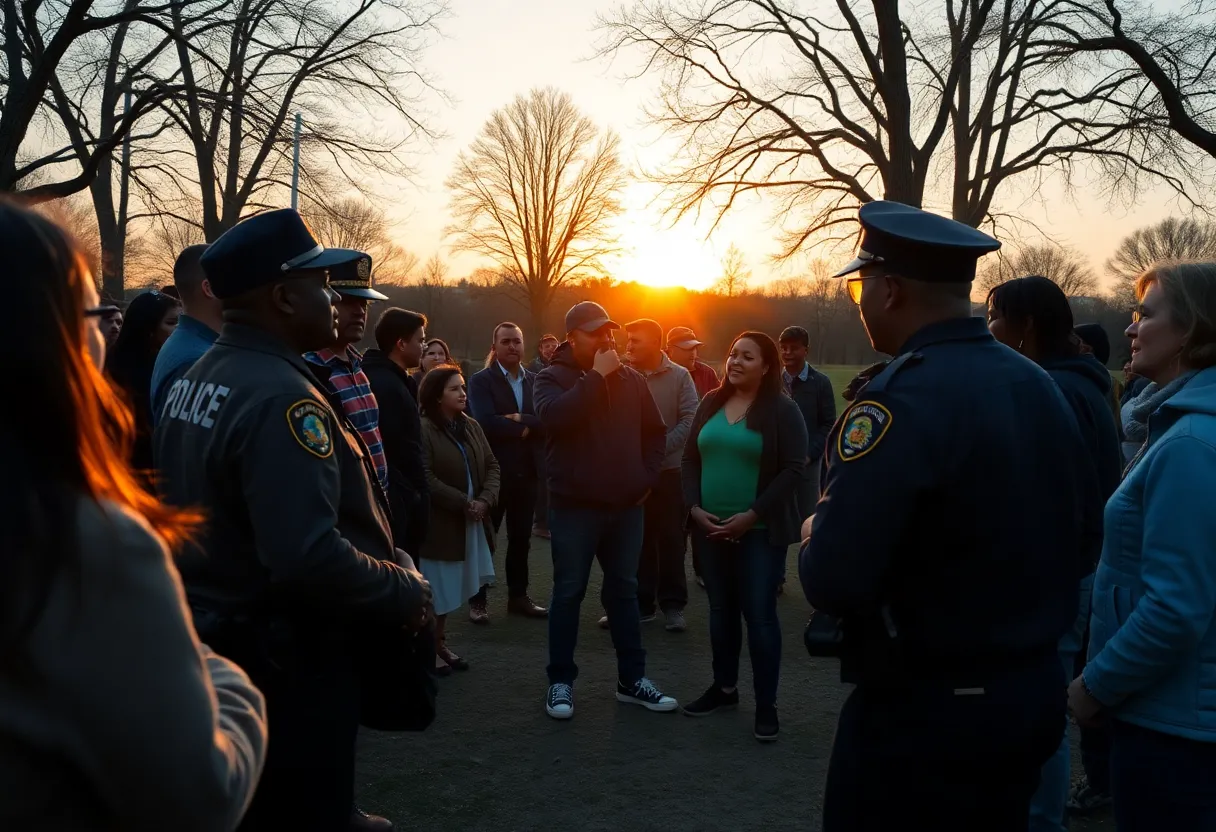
{"points": [[1153, 644]]}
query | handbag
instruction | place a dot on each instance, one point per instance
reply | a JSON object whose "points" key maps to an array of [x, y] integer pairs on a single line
{"points": [[823, 636], [396, 688]]}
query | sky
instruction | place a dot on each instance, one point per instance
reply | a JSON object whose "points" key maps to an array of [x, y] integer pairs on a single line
{"points": [[493, 50]]}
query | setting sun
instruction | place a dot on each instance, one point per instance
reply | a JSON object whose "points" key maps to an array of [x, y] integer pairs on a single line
{"points": [[655, 254]]}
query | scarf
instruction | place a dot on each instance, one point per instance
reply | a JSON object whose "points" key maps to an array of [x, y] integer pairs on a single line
{"points": [[1136, 412], [456, 429]]}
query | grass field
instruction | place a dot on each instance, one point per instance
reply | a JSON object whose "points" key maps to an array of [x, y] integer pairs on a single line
{"points": [[494, 761]]}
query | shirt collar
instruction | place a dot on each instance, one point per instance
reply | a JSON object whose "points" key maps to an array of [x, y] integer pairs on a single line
{"points": [[350, 359], [196, 327], [503, 370], [802, 376]]}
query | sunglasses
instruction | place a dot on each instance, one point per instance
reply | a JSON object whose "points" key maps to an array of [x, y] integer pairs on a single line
{"points": [[855, 285]]}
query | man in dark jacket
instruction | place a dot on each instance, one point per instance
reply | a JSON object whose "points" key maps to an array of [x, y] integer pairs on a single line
{"points": [[500, 398], [946, 541], [604, 444], [400, 335]]}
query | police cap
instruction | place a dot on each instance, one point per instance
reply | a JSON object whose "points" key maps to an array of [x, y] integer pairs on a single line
{"points": [[917, 244], [353, 278], [263, 250]]}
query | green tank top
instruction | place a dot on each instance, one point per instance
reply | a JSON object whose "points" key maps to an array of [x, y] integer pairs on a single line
{"points": [[730, 466]]}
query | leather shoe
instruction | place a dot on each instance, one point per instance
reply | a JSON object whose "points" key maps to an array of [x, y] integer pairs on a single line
{"points": [[361, 821], [525, 606]]}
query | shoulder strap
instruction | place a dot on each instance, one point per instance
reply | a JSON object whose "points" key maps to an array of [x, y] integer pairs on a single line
{"points": [[879, 382]]}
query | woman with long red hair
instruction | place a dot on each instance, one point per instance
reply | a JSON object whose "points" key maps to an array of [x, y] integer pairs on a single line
{"points": [[112, 715]]}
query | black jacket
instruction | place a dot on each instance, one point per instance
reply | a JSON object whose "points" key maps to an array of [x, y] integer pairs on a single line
{"points": [[1086, 386], [295, 518], [396, 394], [491, 400], [781, 463], [604, 437], [952, 500], [818, 406]]}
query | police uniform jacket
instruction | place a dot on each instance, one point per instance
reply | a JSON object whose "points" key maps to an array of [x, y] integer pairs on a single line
{"points": [[249, 436], [950, 519]]}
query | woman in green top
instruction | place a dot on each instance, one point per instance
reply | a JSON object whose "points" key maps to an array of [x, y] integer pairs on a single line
{"points": [[740, 472]]}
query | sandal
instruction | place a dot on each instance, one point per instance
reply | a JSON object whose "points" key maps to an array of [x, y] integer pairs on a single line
{"points": [[441, 667], [453, 661]]}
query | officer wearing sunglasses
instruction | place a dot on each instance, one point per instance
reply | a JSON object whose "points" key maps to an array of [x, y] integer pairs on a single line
{"points": [[944, 546]]}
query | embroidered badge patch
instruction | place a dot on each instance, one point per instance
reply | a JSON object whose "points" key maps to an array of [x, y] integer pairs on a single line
{"points": [[309, 424], [364, 268], [864, 427]]}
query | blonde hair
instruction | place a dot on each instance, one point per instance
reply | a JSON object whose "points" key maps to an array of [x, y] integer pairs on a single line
{"points": [[1190, 297]]}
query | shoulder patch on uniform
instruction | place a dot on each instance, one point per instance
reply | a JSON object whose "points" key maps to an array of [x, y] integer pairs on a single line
{"points": [[864, 427], [309, 423]]}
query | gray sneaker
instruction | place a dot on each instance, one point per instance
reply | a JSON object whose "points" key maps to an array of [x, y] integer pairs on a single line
{"points": [[675, 621]]}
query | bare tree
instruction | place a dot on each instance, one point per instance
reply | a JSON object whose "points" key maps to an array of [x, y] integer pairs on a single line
{"points": [[856, 103], [735, 274], [1174, 50], [75, 215], [433, 285], [1064, 266], [42, 39], [347, 65], [536, 193], [154, 248], [356, 223], [1170, 239]]}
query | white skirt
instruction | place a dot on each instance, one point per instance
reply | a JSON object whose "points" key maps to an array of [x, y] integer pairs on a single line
{"points": [[455, 582]]}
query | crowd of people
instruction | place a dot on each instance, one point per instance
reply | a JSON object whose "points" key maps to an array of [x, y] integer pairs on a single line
{"points": [[993, 533]]}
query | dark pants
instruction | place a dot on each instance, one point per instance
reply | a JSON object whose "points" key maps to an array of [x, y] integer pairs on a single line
{"points": [[308, 780], [581, 535], [1160, 781], [927, 757], [808, 496], [741, 581], [1095, 757], [516, 502], [542, 494], [661, 573]]}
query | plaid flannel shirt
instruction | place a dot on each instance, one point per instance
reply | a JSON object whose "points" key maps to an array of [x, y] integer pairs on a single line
{"points": [[348, 381]]}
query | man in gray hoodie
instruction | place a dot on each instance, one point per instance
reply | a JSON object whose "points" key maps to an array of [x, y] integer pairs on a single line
{"points": [[661, 578]]}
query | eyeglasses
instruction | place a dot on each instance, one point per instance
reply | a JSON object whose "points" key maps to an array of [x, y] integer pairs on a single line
{"points": [[854, 285]]}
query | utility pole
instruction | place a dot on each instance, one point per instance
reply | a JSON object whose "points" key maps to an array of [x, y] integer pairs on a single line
{"points": [[124, 187], [295, 166]]}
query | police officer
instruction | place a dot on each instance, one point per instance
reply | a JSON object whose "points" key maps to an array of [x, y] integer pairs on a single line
{"points": [[249, 436], [945, 546]]}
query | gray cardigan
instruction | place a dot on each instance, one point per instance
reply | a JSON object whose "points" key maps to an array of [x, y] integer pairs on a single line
{"points": [[782, 459], [126, 722], [675, 394]]}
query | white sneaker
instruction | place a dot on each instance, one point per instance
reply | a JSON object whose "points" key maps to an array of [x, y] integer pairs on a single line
{"points": [[559, 704]]}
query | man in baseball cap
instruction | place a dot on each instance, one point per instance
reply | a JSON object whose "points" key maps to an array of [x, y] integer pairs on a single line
{"points": [[682, 348], [604, 446]]}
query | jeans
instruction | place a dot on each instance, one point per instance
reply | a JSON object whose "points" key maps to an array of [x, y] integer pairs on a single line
{"points": [[741, 581], [516, 503], [581, 535], [928, 757], [1160, 781], [661, 575], [1048, 805]]}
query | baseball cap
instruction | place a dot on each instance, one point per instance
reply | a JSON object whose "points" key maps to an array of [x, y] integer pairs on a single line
{"points": [[683, 337], [588, 316]]}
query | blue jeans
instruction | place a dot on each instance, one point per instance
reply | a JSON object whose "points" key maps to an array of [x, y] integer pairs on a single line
{"points": [[741, 581], [1048, 805], [580, 535], [1160, 781]]}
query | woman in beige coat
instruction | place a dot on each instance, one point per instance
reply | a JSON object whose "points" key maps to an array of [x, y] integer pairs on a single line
{"points": [[463, 477]]}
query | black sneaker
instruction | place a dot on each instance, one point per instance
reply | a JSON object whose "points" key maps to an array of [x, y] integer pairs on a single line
{"points": [[644, 693], [713, 700], [559, 704], [766, 724]]}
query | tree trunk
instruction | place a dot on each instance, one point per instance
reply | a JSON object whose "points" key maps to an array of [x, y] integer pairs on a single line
{"points": [[538, 306]]}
